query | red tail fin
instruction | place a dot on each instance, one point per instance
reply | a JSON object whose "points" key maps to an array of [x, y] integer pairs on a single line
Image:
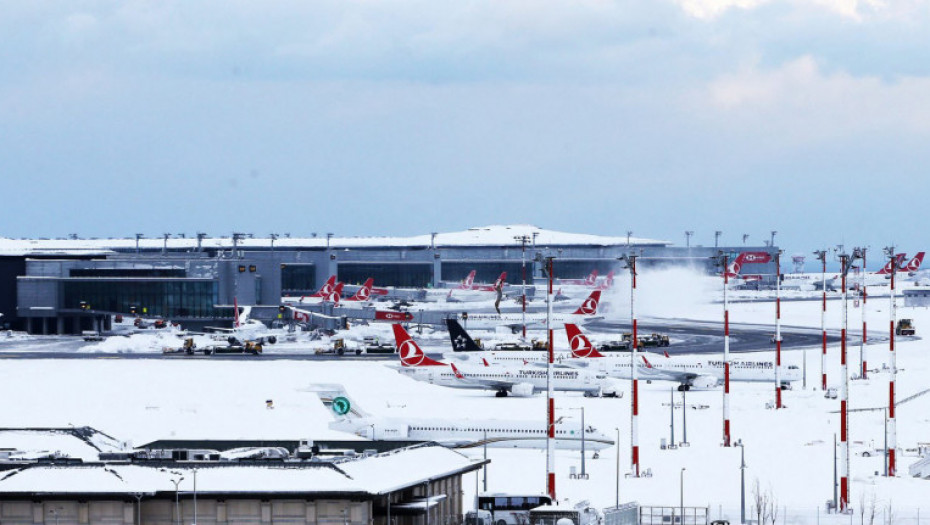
{"points": [[890, 266], [485, 361], [580, 345], [914, 264], [608, 281], [589, 306], [501, 280], [648, 364], [336, 294], [469, 279], [363, 293], [455, 370], [409, 351], [327, 287], [592, 278]]}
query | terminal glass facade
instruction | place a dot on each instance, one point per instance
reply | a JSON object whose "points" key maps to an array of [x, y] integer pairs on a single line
{"points": [[486, 271], [408, 275], [127, 272], [170, 298], [298, 278], [579, 269]]}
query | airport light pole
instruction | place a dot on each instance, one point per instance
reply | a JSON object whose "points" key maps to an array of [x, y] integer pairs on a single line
{"points": [[195, 496], [822, 257], [681, 485], [634, 383], [778, 330], [550, 424], [742, 482], [584, 474], [200, 237], [745, 238], [772, 239], [164, 247], [617, 488], [863, 361], [138, 236], [523, 240], [688, 235], [717, 238], [846, 261], [273, 237], [726, 353], [891, 433], [177, 500]]}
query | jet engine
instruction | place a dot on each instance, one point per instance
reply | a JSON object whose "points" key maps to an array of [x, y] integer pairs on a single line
{"points": [[522, 390]]}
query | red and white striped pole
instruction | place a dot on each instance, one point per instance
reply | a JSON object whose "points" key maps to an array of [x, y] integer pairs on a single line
{"points": [[892, 437], [550, 404], [822, 255], [864, 373], [726, 356], [634, 417], [844, 397], [778, 330]]}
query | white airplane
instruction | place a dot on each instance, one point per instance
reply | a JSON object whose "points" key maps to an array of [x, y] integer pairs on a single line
{"points": [[690, 372], [585, 313], [246, 329], [455, 433], [519, 381]]}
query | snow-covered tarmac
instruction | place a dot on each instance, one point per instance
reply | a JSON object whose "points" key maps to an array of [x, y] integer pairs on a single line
{"points": [[789, 452]]}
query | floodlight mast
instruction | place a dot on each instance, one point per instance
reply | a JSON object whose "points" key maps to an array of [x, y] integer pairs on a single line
{"points": [[822, 257], [846, 261], [630, 261], [550, 401], [778, 403], [724, 264], [892, 432]]}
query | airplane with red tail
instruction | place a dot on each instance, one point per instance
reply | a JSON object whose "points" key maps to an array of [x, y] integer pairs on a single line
{"points": [[518, 381], [585, 313]]}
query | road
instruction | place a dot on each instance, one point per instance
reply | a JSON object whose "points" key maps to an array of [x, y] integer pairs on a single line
{"points": [[687, 336]]}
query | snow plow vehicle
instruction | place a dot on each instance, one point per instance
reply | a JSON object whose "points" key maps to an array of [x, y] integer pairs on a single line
{"points": [[905, 327]]}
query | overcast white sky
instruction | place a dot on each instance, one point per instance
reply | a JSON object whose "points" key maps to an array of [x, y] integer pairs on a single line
{"points": [[403, 117]]}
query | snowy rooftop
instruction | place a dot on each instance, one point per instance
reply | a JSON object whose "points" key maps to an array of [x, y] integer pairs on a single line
{"points": [[498, 235], [377, 474]]}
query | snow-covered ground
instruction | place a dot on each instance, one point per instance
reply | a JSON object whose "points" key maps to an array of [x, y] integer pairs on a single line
{"points": [[789, 452]]}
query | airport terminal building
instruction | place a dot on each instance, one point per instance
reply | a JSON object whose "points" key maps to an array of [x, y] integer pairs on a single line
{"points": [[65, 286]]}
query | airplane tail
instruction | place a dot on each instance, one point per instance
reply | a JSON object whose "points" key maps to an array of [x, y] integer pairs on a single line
{"points": [[327, 287], [591, 278], [608, 281], [914, 264], [469, 279], [335, 295], [337, 400], [409, 351], [461, 341], [890, 266], [589, 306], [364, 293], [501, 280], [579, 343]]}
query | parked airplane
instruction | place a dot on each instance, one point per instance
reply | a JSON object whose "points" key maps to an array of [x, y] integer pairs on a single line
{"points": [[363, 294], [246, 329], [520, 381], [334, 296], [585, 313], [455, 433], [689, 371], [587, 281]]}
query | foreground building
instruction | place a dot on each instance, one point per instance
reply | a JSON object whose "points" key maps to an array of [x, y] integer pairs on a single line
{"points": [[410, 485]]}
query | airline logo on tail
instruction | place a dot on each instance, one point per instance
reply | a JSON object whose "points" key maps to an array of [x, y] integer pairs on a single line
{"points": [[500, 280], [891, 265], [335, 295], [734, 267], [589, 306], [363, 293], [579, 343], [914, 264], [409, 351], [327, 288], [608, 282], [591, 278]]}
